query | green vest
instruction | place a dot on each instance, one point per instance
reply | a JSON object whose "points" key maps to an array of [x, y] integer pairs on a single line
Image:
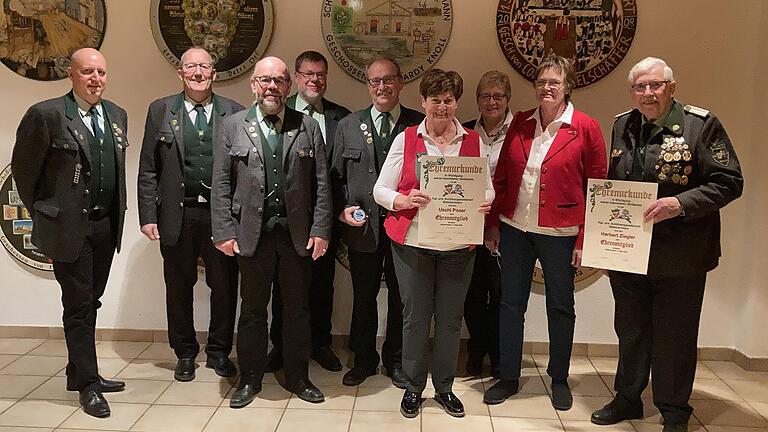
{"points": [[103, 168], [274, 198], [198, 160]]}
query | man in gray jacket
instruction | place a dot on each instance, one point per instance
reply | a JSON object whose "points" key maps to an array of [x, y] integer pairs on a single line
{"points": [[271, 205]]}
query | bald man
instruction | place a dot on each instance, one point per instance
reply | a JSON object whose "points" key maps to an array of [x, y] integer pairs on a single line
{"points": [[69, 166], [271, 207], [174, 190]]}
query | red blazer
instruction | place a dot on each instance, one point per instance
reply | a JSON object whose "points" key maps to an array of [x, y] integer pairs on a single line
{"points": [[578, 153]]}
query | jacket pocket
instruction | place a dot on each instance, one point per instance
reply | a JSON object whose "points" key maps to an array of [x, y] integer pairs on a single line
{"points": [[352, 154], [46, 208], [239, 151], [164, 137], [65, 144]]}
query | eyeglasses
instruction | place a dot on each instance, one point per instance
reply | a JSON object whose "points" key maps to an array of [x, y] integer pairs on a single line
{"points": [[553, 84], [387, 80], [485, 97], [192, 67], [279, 81], [653, 85], [310, 75]]}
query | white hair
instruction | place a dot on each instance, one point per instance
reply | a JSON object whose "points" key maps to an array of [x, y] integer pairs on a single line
{"points": [[645, 65]]}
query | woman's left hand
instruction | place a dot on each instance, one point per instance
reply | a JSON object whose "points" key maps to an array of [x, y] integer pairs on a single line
{"points": [[576, 258], [485, 207]]}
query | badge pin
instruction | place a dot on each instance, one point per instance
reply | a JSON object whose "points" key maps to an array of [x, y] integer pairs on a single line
{"points": [[119, 147], [662, 177], [677, 157], [668, 157], [251, 129], [675, 128], [174, 122], [254, 135], [253, 123], [665, 168], [363, 127], [616, 153], [119, 139], [675, 178], [684, 180], [687, 155], [176, 128], [369, 140], [114, 126], [687, 170], [290, 133]]}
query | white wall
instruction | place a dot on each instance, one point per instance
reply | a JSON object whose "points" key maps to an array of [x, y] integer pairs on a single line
{"points": [[719, 58]]}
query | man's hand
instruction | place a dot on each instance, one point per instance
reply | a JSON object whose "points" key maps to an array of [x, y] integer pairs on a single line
{"points": [[346, 217], [415, 198], [318, 245], [150, 231], [485, 207], [492, 239], [663, 209], [228, 247], [576, 258]]}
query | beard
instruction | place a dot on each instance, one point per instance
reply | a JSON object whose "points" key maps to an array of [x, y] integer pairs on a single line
{"points": [[270, 106]]}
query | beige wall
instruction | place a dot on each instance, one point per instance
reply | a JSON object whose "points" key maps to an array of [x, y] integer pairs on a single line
{"points": [[716, 48]]}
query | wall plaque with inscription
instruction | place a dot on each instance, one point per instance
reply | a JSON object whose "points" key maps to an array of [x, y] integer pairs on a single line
{"points": [[413, 32], [594, 34], [16, 226], [37, 37], [235, 32]]}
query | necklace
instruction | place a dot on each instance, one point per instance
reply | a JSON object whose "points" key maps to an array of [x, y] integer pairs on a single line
{"points": [[440, 139]]}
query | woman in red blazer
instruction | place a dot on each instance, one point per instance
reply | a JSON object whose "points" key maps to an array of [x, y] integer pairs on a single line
{"points": [[540, 181]]}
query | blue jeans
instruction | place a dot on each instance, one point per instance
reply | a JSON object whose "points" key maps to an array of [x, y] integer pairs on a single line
{"points": [[519, 251]]}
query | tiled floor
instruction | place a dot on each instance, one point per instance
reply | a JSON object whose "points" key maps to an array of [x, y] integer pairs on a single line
{"points": [[32, 398]]}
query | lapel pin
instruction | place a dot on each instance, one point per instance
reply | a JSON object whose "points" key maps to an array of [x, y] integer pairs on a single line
{"points": [[173, 122], [363, 127], [369, 140], [254, 135], [251, 129], [290, 133]]}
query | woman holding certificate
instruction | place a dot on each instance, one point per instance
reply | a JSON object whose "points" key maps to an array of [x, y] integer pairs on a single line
{"points": [[433, 278], [540, 180]]}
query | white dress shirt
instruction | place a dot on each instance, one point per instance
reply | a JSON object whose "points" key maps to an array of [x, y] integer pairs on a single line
{"points": [[385, 190], [83, 108], [526, 216], [189, 105]]}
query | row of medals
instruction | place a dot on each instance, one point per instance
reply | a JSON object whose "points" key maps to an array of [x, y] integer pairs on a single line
{"points": [[674, 150]]}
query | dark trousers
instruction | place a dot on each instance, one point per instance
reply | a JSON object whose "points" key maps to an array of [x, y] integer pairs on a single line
{"points": [[274, 259], [519, 251], [366, 269], [481, 308], [432, 283], [180, 273], [657, 322], [320, 301], [82, 285]]}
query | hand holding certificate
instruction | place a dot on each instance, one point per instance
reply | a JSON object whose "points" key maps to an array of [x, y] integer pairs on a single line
{"points": [[616, 234], [456, 187]]}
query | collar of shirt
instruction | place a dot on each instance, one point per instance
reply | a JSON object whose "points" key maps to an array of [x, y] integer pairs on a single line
{"points": [[394, 116], [207, 104], [263, 124], [497, 134], [301, 105], [460, 132]]}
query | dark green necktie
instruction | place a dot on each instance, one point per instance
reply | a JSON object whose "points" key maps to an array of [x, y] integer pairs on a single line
{"points": [[97, 132], [385, 129], [201, 122], [310, 110], [272, 120]]}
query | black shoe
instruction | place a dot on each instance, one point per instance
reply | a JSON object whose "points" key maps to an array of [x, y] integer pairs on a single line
{"points": [[274, 360], [357, 375], [398, 377], [94, 404], [612, 414], [475, 363], [244, 394], [675, 427], [450, 403], [409, 406], [223, 366], [562, 399], [110, 386], [307, 391], [185, 369], [500, 391], [327, 359]]}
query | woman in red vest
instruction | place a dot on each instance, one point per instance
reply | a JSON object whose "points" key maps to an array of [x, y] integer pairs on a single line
{"points": [[433, 278], [540, 180]]}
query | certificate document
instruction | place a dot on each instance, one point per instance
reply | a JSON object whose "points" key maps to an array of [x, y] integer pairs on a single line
{"points": [[615, 236], [456, 186]]}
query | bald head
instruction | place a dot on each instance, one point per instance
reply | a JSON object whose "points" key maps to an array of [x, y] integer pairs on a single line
{"points": [[88, 73], [271, 83]]}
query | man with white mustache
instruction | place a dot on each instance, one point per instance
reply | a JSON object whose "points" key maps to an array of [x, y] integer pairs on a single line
{"points": [[686, 150], [362, 142], [271, 206], [174, 184]]}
